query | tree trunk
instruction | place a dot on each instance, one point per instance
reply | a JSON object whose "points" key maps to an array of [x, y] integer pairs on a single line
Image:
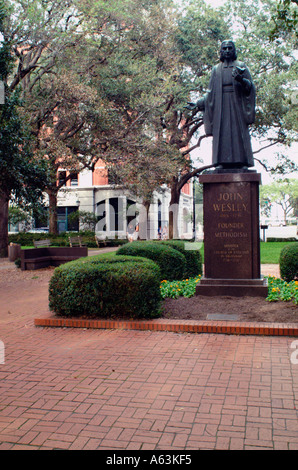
{"points": [[3, 225], [53, 227], [176, 187], [174, 210]]}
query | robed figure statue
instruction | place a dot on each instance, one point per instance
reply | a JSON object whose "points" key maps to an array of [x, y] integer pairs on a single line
{"points": [[229, 108]]}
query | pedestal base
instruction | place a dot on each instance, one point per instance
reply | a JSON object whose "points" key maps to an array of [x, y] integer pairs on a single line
{"points": [[233, 287], [231, 235]]}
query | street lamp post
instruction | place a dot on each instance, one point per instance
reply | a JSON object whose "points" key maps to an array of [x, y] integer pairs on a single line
{"points": [[194, 208]]}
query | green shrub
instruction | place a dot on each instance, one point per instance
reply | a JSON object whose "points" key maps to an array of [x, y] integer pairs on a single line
{"points": [[61, 239], [106, 287], [274, 239], [288, 262], [170, 261], [27, 238], [193, 266]]}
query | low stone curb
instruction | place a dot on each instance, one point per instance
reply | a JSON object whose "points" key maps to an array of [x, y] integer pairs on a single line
{"points": [[176, 326]]}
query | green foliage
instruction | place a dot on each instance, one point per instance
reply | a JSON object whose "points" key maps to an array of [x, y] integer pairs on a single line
{"points": [[88, 219], [20, 176], [285, 18], [17, 215], [288, 262], [174, 289], [106, 287], [26, 239], [278, 289], [284, 192], [200, 32], [172, 263], [273, 66], [279, 240], [193, 265]]}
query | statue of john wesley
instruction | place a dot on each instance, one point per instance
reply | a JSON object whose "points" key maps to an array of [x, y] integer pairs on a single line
{"points": [[229, 108]]}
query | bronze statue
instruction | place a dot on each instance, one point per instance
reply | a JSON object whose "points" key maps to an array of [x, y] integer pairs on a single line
{"points": [[229, 108]]}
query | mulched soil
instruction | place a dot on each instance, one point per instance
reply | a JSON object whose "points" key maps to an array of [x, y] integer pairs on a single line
{"points": [[248, 309]]}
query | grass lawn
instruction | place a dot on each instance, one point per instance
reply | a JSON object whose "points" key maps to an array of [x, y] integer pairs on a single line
{"points": [[270, 251]]}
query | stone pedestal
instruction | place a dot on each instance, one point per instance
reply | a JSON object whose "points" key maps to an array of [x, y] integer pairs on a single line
{"points": [[231, 235]]}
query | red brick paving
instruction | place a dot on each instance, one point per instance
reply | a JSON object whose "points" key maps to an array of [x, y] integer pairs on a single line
{"points": [[87, 389], [111, 389]]}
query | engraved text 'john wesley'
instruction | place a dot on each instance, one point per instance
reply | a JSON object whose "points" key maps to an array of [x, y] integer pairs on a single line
{"points": [[230, 202]]}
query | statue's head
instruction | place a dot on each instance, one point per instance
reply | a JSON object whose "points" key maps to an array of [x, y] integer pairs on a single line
{"points": [[228, 51]]}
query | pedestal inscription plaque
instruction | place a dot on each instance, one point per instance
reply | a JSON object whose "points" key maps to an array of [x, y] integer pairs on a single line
{"points": [[231, 235]]}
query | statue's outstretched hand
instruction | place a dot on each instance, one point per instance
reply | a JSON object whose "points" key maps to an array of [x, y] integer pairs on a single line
{"points": [[237, 73], [198, 106]]}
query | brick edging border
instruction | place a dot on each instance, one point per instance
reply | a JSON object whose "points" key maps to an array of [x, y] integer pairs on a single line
{"points": [[175, 326]]}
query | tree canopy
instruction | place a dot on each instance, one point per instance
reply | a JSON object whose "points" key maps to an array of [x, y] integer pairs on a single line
{"points": [[283, 192], [110, 81], [21, 177]]}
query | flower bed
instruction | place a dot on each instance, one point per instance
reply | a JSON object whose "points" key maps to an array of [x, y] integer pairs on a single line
{"points": [[278, 289], [175, 289]]}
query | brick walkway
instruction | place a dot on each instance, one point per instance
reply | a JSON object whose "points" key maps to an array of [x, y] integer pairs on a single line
{"points": [[67, 388]]}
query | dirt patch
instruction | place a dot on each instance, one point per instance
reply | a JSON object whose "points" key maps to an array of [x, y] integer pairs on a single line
{"points": [[251, 309]]}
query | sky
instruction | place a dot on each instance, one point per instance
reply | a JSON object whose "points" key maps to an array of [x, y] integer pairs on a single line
{"points": [[215, 3]]}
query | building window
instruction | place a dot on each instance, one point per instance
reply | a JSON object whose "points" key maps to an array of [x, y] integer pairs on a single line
{"points": [[74, 179], [63, 222]]}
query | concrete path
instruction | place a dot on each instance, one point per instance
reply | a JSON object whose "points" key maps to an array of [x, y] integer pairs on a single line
{"points": [[130, 390]]}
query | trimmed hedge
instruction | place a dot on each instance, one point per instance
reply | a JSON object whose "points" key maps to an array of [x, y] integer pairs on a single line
{"points": [[61, 239], [171, 262], [193, 258], [106, 287], [288, 262], [273, 239]]}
